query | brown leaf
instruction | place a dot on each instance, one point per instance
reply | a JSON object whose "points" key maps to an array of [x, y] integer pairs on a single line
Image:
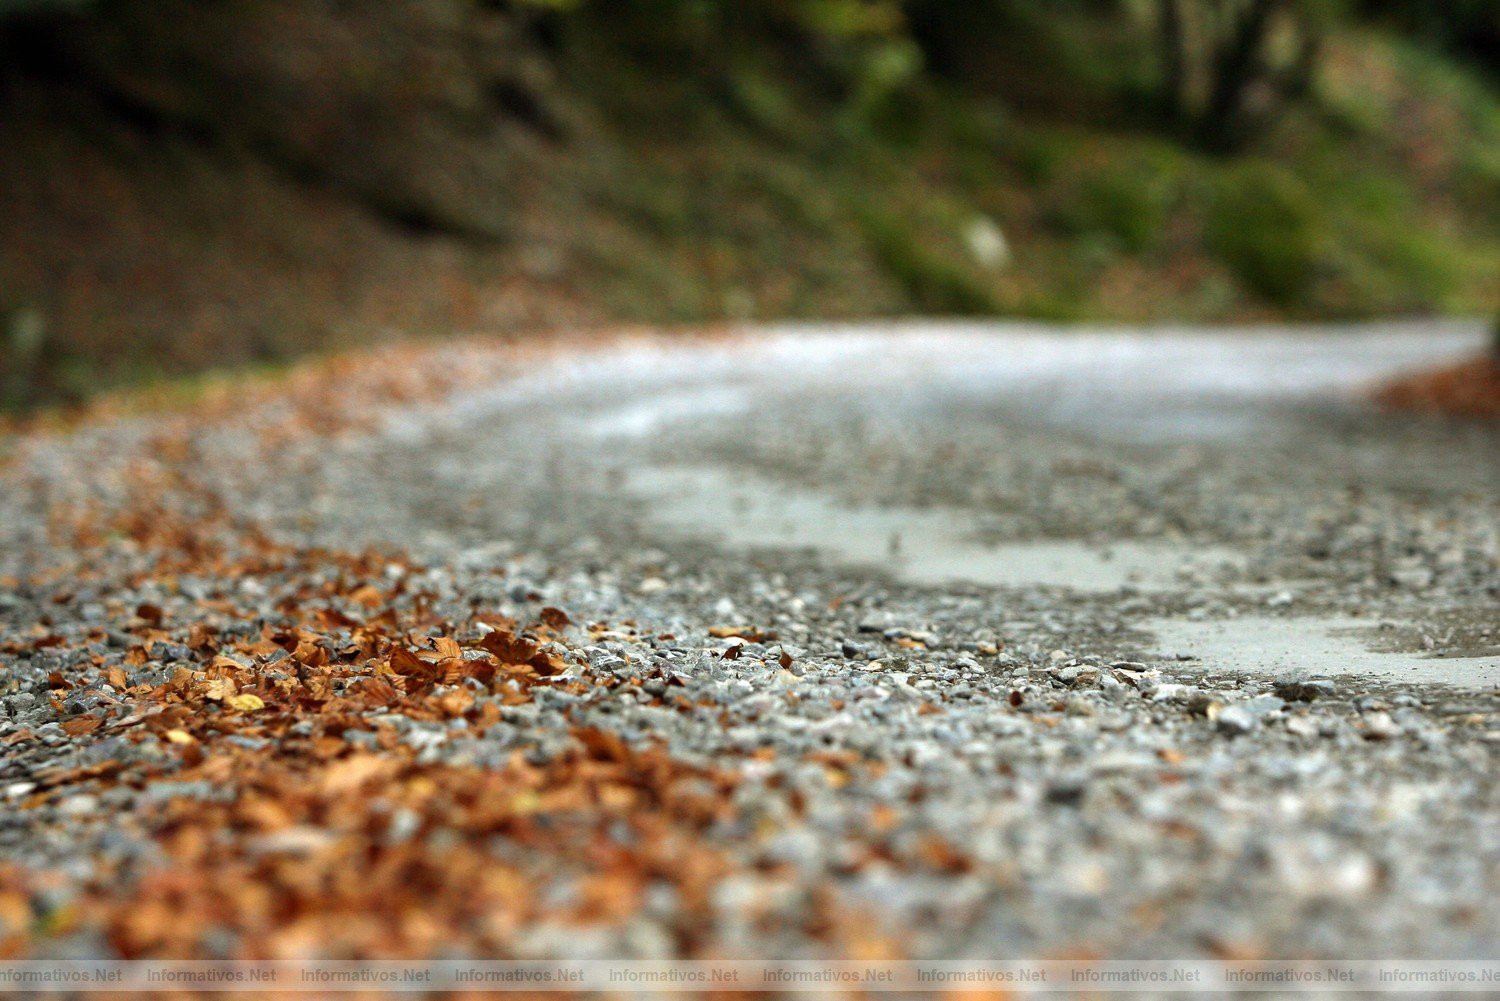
{"points": [[80, 725], [750, 633], [403, 661], [941, 855], [376, 691], [489, 714], [604, 745], [332, 618], [354, 772], [555, 618], [455, 703], [482, 670], [367, 596], [310, 653], [508, 647], [318, 688]]}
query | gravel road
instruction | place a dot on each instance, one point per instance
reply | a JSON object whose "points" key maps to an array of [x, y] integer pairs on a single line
{"points": [[1011, 641]]}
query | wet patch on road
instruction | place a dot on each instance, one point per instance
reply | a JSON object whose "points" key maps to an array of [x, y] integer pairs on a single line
{"points": [[927, 546], [1332, 646]]}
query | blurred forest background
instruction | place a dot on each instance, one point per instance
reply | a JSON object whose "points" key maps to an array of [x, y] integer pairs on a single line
{"points": [[204, 182]]}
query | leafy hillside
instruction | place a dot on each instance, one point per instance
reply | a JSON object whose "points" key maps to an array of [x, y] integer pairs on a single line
{"points": [[203, 184]]}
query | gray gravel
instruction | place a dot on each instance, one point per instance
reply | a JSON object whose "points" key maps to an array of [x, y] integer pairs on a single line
{"points": [[1101, 793]]}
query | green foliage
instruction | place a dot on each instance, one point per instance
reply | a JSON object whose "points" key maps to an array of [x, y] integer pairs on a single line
{"points": [[1265, 225], [844, 18], [935, 283], [1423, 269], [1127, 202], [34, 366], [879, 74], [1041, 155], [1479, 181]]}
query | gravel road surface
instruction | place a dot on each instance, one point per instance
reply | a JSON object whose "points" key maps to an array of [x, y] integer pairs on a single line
{"points": [[990, 641]]}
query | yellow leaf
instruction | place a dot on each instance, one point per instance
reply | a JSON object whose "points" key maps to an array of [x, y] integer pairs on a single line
{"points": [[525, 803], [180, 737], [246, 703]]}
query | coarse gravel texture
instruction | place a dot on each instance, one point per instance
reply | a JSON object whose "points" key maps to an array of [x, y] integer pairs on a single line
{"points": [[958, 769]]}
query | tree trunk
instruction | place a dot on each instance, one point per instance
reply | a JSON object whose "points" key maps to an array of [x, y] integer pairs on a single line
{"points": [[1236, 68], [1174, 61]]}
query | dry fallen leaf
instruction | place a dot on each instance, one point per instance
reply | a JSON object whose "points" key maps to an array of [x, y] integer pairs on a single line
{"points": [[245, 703], [80, 725], [750, 633], [218, 689], [403, 661], [367, 596]]}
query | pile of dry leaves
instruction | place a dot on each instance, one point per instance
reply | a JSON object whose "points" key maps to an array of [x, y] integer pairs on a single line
{"points": [[322, 832], [1468, 390]]}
